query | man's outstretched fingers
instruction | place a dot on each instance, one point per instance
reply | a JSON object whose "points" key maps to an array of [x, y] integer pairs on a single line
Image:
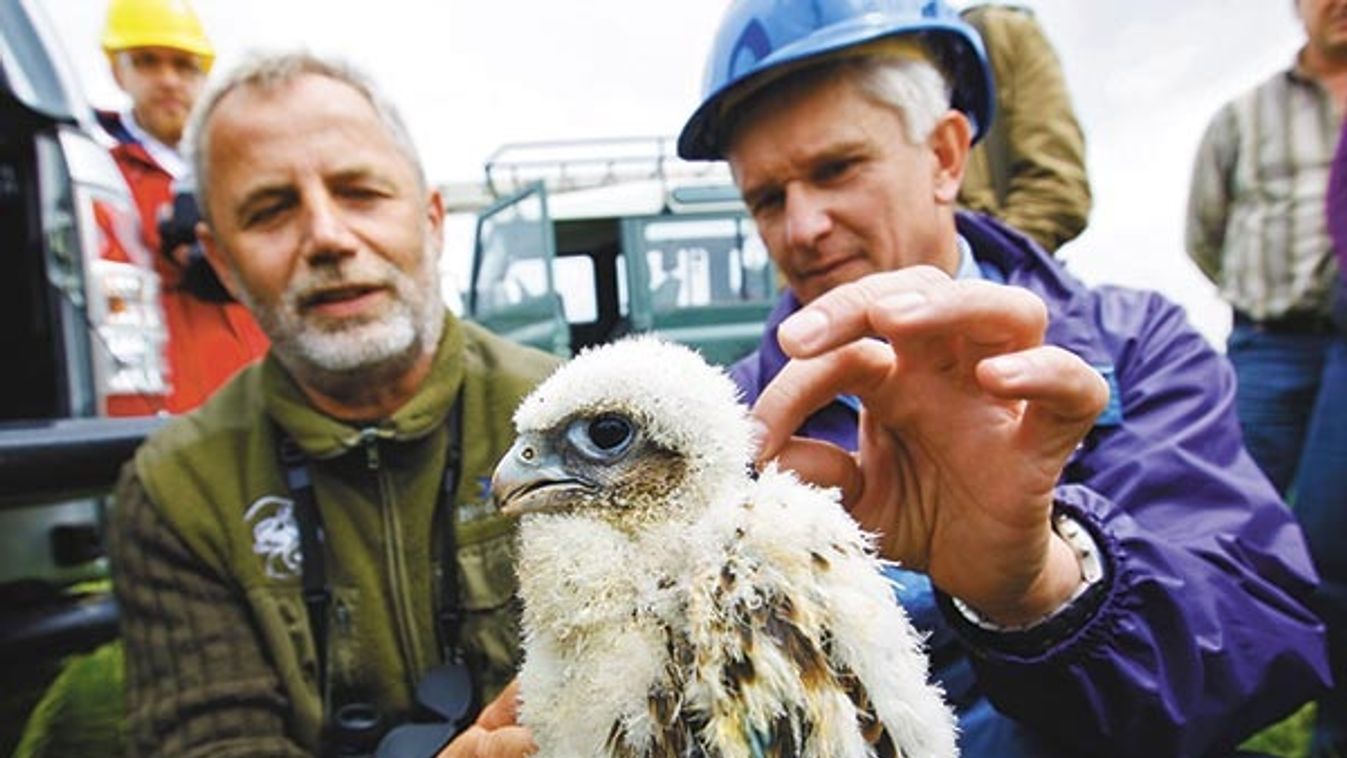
{"points": [[981, 313], [842, 314], [1064, 394]]}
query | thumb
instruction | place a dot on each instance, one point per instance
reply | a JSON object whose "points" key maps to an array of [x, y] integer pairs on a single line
{"points": [[822, 464], [503, 711]]}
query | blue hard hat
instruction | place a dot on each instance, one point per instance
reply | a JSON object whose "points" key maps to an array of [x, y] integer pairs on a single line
{"points": [[757, 36]]}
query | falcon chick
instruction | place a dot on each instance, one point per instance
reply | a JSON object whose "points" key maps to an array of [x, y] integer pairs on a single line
{"points": [[676, 606]]}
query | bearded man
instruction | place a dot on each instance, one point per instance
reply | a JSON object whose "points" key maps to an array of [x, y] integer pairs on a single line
{"points": [[299, 555]]}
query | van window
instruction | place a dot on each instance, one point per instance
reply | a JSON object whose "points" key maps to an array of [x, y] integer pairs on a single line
{"points": [[701, 262]]}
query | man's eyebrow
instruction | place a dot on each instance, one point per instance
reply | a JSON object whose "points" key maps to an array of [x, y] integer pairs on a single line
{"points": [[840, 150], [357, 174]]}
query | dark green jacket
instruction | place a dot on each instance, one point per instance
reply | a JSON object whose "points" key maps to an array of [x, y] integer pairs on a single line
{"points": [[220, 655], [1029, 170]]}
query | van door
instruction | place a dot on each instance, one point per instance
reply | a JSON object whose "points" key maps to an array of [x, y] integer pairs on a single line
{"points": [[513, 292]]}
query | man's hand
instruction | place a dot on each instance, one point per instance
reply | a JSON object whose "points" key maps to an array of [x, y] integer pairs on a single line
{"points": [[967, 422], [496, 733], [181, 255]]}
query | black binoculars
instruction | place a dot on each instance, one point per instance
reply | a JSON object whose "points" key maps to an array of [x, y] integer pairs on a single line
{"points": [[445, 703]]}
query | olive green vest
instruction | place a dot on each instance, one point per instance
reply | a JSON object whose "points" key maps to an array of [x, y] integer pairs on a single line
{"points": [[215, 476]]}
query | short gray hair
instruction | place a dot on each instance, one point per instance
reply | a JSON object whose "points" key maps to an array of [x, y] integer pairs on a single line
{"points": [[269, 72], [914, 88]]}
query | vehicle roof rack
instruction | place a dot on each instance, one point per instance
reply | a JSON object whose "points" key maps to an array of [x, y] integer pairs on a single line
{"points": [[582, 164], [565, 165]]}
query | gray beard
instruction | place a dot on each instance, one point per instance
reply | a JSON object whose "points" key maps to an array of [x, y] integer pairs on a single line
{"points": [[356, 347], [351, 359]]}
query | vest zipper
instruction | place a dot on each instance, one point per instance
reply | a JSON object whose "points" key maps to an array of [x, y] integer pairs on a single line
{"points": [[395, 561], [369, 438]]}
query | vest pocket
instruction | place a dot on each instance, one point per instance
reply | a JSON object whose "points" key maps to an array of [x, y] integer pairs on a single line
{"points": [[283, 624], [489, 631], [344, 658], [486, 552]]}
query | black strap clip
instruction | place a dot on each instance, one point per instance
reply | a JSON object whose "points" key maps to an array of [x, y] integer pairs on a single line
{"points": [[312, 546]]}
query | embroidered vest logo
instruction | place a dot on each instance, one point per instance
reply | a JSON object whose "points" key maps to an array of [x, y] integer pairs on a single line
{"points": [[275, 535]]}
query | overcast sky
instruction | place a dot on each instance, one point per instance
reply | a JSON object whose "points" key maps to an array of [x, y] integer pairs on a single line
{"points": [[1146, 76]]}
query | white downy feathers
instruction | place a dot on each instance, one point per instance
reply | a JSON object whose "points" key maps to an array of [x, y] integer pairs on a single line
{"points": [[675, 605]]}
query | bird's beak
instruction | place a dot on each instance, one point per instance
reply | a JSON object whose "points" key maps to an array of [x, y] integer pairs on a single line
{"points": [[532, 478]]}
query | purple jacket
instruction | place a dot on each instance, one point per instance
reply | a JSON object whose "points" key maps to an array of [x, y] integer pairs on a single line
{"points": [[1201, 634], [1337, 202]]}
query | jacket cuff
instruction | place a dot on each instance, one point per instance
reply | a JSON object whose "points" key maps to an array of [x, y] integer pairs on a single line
{"points": [[1064, 625]]}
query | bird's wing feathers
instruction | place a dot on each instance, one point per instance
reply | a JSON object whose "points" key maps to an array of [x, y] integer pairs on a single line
{"points": [[800, 648], [670, 728]]}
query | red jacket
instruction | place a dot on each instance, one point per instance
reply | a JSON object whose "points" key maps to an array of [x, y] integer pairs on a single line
{"points": [[207, 342]]}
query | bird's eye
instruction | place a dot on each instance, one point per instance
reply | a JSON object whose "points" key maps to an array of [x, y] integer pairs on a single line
{"points": [[609, 432], [605, 437]]}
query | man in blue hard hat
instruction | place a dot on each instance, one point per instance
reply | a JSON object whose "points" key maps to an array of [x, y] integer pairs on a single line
{"points": [[1101, 566]]}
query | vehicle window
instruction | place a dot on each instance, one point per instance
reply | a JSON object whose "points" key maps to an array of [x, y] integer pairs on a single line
{"points": [[574, 275], [622, 284], [704, 261]]}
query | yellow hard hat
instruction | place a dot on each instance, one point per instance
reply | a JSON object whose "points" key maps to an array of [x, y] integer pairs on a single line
{"points": [[156, 23]]}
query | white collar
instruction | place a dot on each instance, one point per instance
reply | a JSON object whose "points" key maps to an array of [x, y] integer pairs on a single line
{"points": [[168, 157], [968, 266]]}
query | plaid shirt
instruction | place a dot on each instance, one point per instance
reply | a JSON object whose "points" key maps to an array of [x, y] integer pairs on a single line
{"points": [[1256, 222]]}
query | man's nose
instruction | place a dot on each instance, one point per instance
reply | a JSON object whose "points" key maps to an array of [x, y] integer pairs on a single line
{"points": [[807, 217], [327, 233]]}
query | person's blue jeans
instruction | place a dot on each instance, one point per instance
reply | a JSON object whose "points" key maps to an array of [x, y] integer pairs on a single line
{"points": [[1292, 404]]}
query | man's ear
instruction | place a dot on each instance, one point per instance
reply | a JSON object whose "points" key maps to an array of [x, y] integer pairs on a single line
{"points": [[216, 257], [115, 63], [950, 142], [435, 216]]}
